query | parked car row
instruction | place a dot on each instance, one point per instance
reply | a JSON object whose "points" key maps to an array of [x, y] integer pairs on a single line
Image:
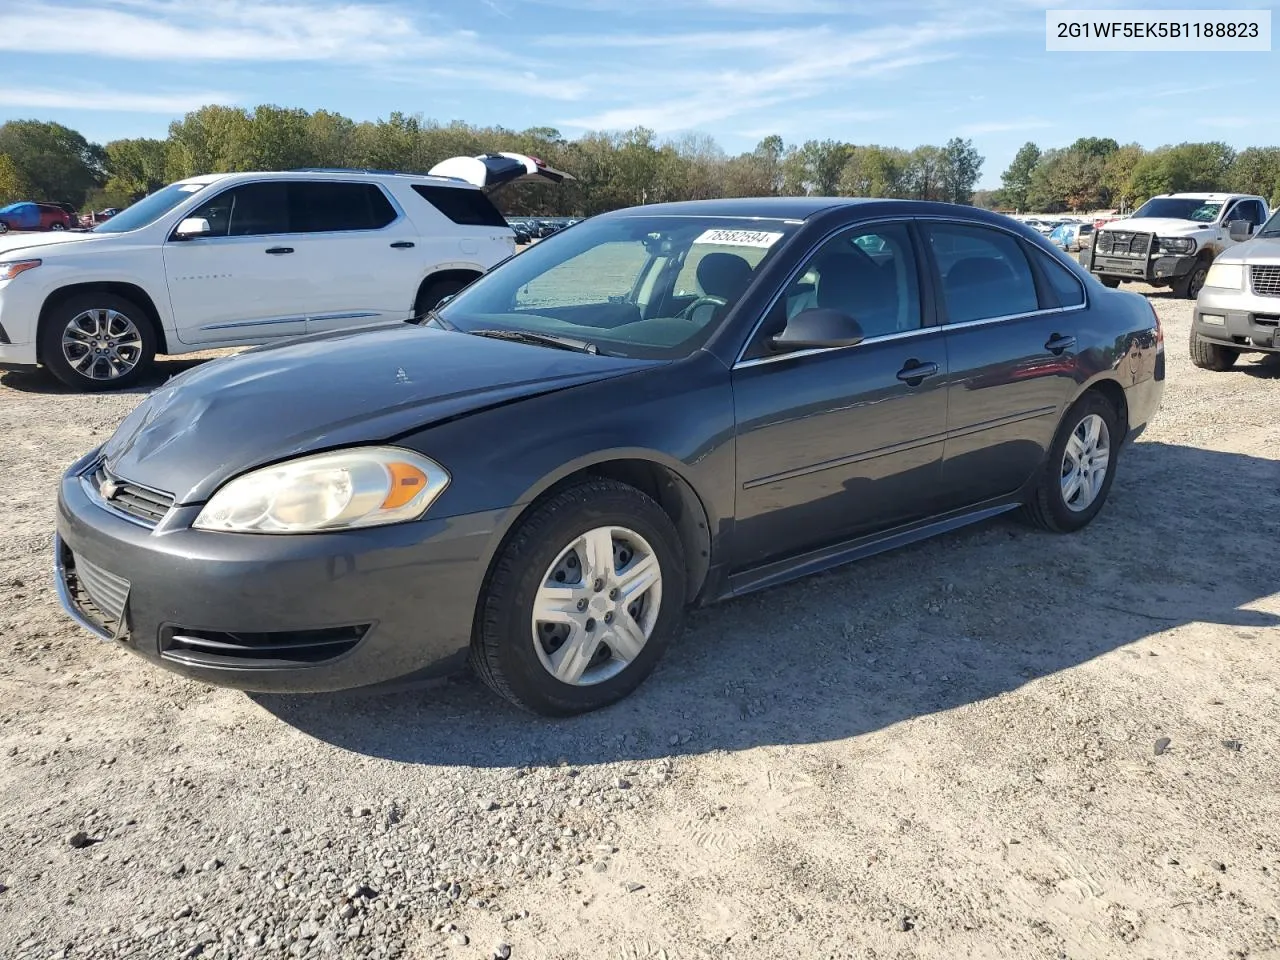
{"points": [[529, 229], [663, 407], [30, 215], [226, 260]]}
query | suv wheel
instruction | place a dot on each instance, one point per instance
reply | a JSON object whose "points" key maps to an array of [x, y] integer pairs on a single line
{"points": [[1076, 476], [1208, 355], [1110, 282], [57, 225], [433, 292], [97, 341], [583, 599]]}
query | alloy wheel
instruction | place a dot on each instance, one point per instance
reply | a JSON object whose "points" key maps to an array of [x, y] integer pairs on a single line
{"points": [[101, 344]]}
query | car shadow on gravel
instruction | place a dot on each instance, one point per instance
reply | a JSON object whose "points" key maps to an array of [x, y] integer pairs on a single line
{"points": [[929, 628], [38, 380]]}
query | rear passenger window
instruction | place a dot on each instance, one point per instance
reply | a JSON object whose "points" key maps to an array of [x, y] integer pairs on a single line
{"points": [[1066, 286], [985, 273], [320, 206], [462, 205]]}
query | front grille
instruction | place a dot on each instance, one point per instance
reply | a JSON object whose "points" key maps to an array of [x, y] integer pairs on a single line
{"points": [[99, 595], [279, 649], [141, 503], [1123, 243], [1265, 280]]}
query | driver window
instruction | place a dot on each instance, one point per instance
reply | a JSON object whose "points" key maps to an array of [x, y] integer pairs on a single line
{"points": [[868, 272]]}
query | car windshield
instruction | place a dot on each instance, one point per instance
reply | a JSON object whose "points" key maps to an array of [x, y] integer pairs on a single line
{"points": [[1179, 208], [1271, 228], [651, 287], [149, 209]]}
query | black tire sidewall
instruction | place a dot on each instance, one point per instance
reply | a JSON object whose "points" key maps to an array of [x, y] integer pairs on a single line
{"points": [[507, 608], [57, 320], [1064, 517], [433, 293]]}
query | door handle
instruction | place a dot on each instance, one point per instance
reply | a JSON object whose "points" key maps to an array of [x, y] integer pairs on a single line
{"points": [[1057, 343], [914, 372], [276, 251], [402, 244]]}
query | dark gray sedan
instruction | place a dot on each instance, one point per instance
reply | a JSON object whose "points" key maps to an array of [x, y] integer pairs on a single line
{"points": [[664, 406]]}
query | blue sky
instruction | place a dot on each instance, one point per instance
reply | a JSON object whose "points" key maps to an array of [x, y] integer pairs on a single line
{"points": [[894, 72]]}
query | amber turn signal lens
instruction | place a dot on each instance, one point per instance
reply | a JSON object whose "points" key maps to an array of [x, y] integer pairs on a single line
{"points": [[407, 481]]}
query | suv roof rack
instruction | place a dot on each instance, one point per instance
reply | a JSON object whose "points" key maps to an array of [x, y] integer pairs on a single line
{"points": [[378, 173]]}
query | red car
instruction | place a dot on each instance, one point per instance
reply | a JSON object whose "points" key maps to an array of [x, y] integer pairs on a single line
{"points": [[27, 215]]}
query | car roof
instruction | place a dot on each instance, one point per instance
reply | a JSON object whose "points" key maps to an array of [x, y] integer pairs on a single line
{"points": [[328, 173]]}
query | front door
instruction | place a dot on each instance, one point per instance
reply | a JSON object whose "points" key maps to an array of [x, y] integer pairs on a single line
{"points": [[1011, 318], [245, 279], [837, 443]]}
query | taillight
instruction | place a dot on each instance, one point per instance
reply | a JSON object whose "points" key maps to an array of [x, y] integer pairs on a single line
{"points": [[1159, 326]]}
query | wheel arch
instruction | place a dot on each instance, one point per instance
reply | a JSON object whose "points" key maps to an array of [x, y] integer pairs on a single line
{"points": [[119, 288], [1111, 391], [466, 274], [652, 474]]}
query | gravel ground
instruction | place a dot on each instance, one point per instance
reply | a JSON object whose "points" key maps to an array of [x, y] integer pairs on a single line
{"points": [[996, 744]]}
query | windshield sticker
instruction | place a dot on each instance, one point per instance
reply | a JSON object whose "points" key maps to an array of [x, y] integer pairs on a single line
{"points": [[740, 238]]}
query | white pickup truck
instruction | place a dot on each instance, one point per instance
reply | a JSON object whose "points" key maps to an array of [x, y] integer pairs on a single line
{"points": [[1171, 240], [235, 259]]}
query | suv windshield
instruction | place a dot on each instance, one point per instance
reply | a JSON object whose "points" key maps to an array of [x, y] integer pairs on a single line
{"points": [[644, 286], [1271, 228], [149, 209], [1180, 208]]}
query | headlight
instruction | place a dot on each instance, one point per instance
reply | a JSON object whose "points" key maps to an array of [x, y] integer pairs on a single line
{"points": [[1176, 244], [341, 490], [1228, 276], [11, 268]]}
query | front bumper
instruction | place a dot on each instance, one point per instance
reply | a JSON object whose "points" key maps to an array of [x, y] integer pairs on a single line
{"points": [[296, 613], [1157, 269], [1247, 320], [19, 309]]}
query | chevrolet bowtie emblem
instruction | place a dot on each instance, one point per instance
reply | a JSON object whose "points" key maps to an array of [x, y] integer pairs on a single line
{"points": [[108, 489]]}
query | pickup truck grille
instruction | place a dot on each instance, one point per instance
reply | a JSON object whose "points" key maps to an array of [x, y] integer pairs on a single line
{"points": [[1265, 280], [1123, 243]]}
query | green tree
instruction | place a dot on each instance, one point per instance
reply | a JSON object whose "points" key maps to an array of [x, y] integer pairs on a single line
{"points": [[814, 168], [12, 186], [875, 171], [1257, 171], [923, 178], [961, 167], [1016, 180], [135, 168], [1117, 175], [52, 161]]}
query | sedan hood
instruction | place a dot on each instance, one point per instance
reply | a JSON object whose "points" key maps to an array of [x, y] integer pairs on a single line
{"points": [[271, 403]]}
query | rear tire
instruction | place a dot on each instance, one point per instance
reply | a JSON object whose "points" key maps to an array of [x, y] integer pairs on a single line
{"points": [[67, 338], [1212, 356], [515, 653], [1049, 507], [432, 293]]}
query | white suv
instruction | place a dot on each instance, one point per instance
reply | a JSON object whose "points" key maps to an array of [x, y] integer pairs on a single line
{"points": [[235, 259]]}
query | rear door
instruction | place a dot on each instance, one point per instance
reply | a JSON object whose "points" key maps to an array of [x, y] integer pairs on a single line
{"points": [[1011, 316], [362, 249]]}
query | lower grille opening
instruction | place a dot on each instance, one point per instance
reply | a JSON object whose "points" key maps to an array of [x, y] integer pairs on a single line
{"points": [[293, 648], [100, 597]]}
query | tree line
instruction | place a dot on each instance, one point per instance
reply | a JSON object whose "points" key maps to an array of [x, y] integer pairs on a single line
{"points": [[47, 161], [1095, 173]]}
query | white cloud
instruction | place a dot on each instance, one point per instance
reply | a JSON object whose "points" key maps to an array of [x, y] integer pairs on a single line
{"points": [[188, 30], [118, 100], [1003, 126]]}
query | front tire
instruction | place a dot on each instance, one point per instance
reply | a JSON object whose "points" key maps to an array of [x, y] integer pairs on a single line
{"points": [[1110, 282], [1212, 356], [432, 293], [1076, 477], [97, 341], [582, 600], [1188, 287]]}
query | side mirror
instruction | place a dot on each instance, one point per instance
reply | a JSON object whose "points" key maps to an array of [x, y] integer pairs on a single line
{"points": [[816, 328], [1240, 229], [191, 228]]}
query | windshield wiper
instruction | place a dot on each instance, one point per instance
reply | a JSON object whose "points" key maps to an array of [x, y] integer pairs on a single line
{"points": [[542, 339]]}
